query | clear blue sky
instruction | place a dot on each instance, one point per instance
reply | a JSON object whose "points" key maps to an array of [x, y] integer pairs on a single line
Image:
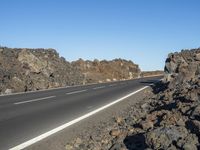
{"points": [[144, 31]]}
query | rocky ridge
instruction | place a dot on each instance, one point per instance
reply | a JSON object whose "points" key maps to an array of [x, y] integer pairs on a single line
{"points": [[151, 73], [105, 71], [35, 69], [168, 118]]}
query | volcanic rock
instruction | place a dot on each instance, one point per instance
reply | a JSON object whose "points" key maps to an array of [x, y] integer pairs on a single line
{"points": [[35, 69]]}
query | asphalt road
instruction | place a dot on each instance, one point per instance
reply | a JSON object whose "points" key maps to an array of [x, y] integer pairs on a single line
{"points": [[27, 115]]}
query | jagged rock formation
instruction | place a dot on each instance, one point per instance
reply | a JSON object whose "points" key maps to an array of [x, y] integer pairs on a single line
{"points": [[175, 109], [169, 118], [103, 71], [35, 69], [182, 67]]}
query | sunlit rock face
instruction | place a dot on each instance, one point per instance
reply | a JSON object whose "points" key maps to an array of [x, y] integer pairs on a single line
{"points": [[35, 69], [105, 71]]}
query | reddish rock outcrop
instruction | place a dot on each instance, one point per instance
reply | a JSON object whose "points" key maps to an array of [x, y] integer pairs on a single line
{"points": [[105, 71]]}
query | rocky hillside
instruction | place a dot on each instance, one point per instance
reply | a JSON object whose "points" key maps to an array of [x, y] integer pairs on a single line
{"points": [[168, 118], [173, 120], [102, 71], [35, 69]]}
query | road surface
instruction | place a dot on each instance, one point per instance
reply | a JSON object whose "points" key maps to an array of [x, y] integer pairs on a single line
{"points": [[27, 115]]}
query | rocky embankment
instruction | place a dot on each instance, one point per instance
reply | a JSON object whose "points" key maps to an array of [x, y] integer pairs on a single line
{"points": [[151, 73], [105, 71], [35, 69], [168, 118]]}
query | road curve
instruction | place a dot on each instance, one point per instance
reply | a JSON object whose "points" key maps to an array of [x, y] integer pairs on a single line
{"points": [[27, 115]]}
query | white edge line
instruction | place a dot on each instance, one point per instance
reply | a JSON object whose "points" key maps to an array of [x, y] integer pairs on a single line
{"points": [[55, 130], [74, 92], [33, 100]]}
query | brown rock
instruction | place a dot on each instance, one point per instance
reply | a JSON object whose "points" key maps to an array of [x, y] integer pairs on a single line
{"points": [[197, 56], [118, 132], [189, 146], [104, 71], [78, 141], [147, 124], [115, 132], [120, 121]]}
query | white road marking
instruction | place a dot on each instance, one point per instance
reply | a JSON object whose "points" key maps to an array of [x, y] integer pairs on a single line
{"points": [[100, 87], [89, 107], [55, 130], [113, 85], [33, 100], [74, 92]]}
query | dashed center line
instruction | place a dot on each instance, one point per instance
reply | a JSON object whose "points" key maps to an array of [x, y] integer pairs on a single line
{"points": [[112, 85], [100, 87], [33, 100], [75, 120], [74, 92], [89, 107]]}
